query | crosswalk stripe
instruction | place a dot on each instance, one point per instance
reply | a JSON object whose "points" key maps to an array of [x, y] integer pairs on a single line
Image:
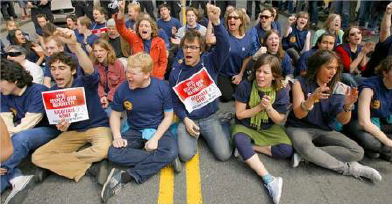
{"points": [[193, 185], [166, 186]]}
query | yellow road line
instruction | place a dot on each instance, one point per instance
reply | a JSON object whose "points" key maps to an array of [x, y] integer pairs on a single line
{"points": [[193, 185], [166, 186]]}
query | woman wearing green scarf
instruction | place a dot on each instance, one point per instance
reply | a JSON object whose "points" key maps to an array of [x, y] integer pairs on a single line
{"points": [[261, 104]]}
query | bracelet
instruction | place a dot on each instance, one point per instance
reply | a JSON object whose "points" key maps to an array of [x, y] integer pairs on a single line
{"points": [[305, 108], [348, 109]]}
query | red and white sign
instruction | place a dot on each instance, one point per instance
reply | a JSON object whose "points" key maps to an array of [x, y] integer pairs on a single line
{"points": [[197, 91], [65, 103]]}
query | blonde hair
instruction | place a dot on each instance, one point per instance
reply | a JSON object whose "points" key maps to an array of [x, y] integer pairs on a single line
{"points": [[330, 18], [110, 59], [141, 59], [55, 39], [135, 6], [243, 18]]}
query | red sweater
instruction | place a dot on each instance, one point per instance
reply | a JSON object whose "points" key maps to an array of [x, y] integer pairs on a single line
{"points": [[112, 78], [157, 51], [344, 51]]}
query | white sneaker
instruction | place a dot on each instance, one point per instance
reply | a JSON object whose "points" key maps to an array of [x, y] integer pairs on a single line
{"points": [[20, 188], [275, 189], [296, 159], [358, 170]]}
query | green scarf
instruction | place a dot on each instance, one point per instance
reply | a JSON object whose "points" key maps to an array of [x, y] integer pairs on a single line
{"points": [[262, 116]]}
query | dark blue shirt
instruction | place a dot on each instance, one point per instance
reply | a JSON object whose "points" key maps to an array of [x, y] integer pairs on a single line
{"points": [[381, 103], [167, 25], [296, 39], [239, 50], [257, 34], [39, 31], [162, 34], [212, 62], [129, 24], [324, 113], [147, 46], [285, 65], [29, 102], [90, 40], [97, 116], [382, 51], [141, 114], [242, 94], [303, 61]]}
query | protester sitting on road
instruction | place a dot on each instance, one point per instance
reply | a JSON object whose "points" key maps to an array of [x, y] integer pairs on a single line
{"points": [[373, 128], [233, 70], [260, 106], [99, 27], [148, 145], [319, 100], [84, 35], [191, 23], [12, 25], [17, 54], [145, 39], [384, 46], [111, 72], [62, 155], [23, 113], [332, 26], [259, 31], [200, 118], [353, 56], [325, 42], [296, 39], [34, 52]]}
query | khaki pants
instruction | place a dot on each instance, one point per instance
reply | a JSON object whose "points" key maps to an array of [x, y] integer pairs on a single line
{"points": [[62, 157]]}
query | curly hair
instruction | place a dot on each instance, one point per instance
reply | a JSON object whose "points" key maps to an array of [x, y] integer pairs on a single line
{"points": [[14, 72], [111, 56], [64, 58], [154, 27]]}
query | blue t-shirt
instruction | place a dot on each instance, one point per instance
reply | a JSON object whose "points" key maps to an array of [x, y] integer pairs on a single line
{"points": [[29, 102], [239, 50], [296, 39], [242, 94], [39, 31], [276, 26], [167, 25], [381, 103], [324, 113], [97, 116], [162, 34], [303, 61], [212, 62], [258, 33], [286, 66], [145, 107], [129, 24], [147, 46], [90, 40]]}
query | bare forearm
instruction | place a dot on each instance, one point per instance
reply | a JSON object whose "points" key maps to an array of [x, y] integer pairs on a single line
{"points": [[275, 115], [115, 123], [164, 126]]}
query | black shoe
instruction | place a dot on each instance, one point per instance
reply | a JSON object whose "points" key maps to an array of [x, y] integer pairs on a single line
{"points": [[113, 185], [41, 174], [21, 186], [177, 166], [386, 156], [103, 172], [372, 155]]}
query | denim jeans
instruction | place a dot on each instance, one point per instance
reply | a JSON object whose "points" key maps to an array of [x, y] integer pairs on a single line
{"points": [[24, 142], [216, 136], [342, 7], [366, 14], [351, 79], [313, 11], [142, 164], [328, 149]]}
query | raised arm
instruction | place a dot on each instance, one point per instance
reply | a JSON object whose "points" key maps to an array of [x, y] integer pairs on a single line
{"points": [[128, 35], [385, 30]]}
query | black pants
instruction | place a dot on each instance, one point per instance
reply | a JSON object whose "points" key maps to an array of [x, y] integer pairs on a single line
{"points": [[226, 87], [7, 10], [84, 8], [249, 4], [148, 6], [203, 5], [223, 4]]}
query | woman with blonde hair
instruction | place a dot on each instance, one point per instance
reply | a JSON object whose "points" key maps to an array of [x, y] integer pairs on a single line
{"points": [[110, 69], [333, 26]]}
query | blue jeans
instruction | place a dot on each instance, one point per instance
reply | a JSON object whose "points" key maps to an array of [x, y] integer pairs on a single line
{"points": [[351, 80], [24, 142], [366, 14], [216, 136], [142, 164], [342, 8], [313, 11]]}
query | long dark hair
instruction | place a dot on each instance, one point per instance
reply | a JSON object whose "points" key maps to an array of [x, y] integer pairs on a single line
{"points": [[14, 41], [317, 60]]}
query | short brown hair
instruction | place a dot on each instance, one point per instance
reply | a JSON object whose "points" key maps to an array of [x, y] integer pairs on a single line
{"points": [[102, 11], [303, 14], [273, 61], [384, 66], [85, 21], [64, 58], [191, 35], [55, 39], [141, 59], [195, 11]]}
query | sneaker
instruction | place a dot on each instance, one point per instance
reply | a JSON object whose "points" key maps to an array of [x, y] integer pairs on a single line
{"points": [[99, 170], [40, 174], [113, 185], [372, 155], [21, 186], [358, 170], [177, 166], [275, 189], [296, 159]]}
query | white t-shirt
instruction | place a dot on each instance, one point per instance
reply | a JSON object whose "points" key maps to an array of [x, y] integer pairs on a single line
{"points": [[35, 71]]}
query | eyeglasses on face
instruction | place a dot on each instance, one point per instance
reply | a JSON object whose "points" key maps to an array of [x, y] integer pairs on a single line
{"points": [[192, 47]]}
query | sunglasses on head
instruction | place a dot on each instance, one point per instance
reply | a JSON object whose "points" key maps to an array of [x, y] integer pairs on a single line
{"points": [[14, 54], [233, 17], [265, 17]]}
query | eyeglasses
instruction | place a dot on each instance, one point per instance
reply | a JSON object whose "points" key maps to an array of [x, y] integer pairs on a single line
{"points": [[233, 17], [14, 54], [192, 47], [353, 33], [264, 17]]}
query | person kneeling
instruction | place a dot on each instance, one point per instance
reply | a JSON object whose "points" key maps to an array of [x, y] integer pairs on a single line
{"points": [[148, 145]]}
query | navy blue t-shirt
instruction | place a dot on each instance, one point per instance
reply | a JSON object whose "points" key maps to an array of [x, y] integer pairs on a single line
{"points": [[381, 103], [323, 115], [39, 31], [303, 61], [239, 50], [296, 39], [382, 51], [90, 40], [129, 24], [167, 25], [242, 94], [29, 102], [162, 34], [145, 107], [97, 116]]}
